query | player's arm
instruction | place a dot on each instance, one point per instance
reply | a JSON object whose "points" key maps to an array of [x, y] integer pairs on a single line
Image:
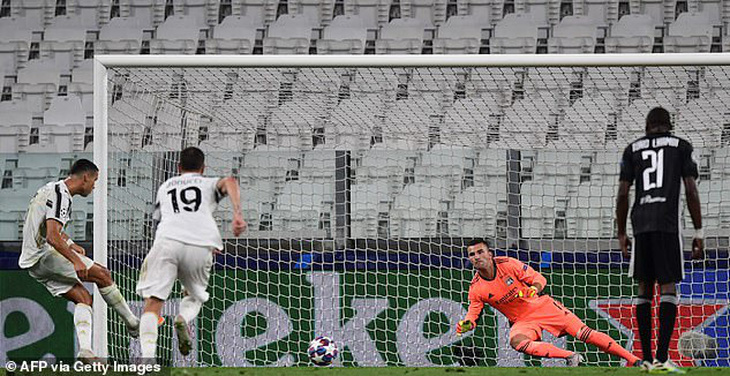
{"points": [[622, 201], [530, 277], [476, 306], [55, 239], [229, 186], [75, 247], [690, 174]]}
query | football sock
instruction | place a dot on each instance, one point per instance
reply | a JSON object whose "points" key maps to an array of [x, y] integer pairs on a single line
{"points": [[148, 335], [667, 316], [643, 321], [189, 308], [605, 343], [82, 322], [113, 297], [542, 349]]}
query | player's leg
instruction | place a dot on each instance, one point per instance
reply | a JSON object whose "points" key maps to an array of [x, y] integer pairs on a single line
{"points": [[194, 274], [669, 271], [82, 318], [109, 291], [645, 275], [525, 338], [579, 330], [156, 278]]}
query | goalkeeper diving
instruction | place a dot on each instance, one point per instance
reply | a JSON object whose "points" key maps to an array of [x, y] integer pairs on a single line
{"points": [[513, 288]]}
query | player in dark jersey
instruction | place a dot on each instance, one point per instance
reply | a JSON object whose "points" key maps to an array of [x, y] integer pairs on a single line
{"points": [[658, 163]]}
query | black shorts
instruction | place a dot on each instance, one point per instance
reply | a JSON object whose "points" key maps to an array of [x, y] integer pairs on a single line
{"points": [[657, 256]]}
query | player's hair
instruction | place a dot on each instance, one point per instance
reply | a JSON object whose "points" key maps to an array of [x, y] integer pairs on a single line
{"points": [[191, 159], [658, 117], [83, 166], [476, 241]]}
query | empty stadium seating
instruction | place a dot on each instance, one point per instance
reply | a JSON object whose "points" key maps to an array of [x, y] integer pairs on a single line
{"points": [[122, 35], [345, 35], [515, 34], [632, 33], [459, 35], [235, 35]]}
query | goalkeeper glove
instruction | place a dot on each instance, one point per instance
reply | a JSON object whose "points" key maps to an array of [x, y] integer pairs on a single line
{"points": [[529, 293], [464, 326]]}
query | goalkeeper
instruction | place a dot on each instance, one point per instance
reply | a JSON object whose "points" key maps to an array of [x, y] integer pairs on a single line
{"points": [[512, 288]]}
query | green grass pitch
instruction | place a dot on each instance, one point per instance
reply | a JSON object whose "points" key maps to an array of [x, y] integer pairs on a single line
{"points": [[400, 371]]}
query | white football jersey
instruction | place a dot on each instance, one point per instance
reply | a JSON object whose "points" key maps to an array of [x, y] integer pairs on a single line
{"points": [[184, 209], [52, 201]]}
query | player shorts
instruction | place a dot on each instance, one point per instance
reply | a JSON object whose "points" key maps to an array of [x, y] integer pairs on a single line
{"points": [[657, 256], [553, 317], [56, 272], [169, 260]]}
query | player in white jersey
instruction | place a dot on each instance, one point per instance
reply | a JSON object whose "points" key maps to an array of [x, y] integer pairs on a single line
{"points": [[186, 238], [53, 259]]}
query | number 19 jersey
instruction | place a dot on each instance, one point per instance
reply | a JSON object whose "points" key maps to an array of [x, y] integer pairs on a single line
{"points": [[657, 163], [184, 209]]}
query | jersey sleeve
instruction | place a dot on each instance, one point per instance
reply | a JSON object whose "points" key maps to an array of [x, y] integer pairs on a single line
{"points": [[157, 211], [58, 206], [689, 166], [627, 167], [475, 306], [526, 273]]}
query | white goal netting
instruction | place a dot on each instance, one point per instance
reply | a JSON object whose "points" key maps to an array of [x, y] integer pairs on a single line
{"points": [[362, 185]]}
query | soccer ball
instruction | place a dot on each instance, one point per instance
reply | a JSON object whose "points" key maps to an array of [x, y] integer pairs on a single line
{"points": [[322, 351]]}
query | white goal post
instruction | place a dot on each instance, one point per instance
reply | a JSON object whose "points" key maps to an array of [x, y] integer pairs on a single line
{"points": [[523, 224]]}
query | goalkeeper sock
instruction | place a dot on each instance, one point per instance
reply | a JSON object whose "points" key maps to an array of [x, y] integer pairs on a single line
{"points": [[605, 343], [82, 322], [667, 316], [189, 308], [543, 349], [113, 297], [643, 321], [148, 335]]}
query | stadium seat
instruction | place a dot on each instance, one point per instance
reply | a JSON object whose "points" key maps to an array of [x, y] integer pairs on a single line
{"points": [[304, 209], [527, 120], [401, 36], [542, 79], [491, 169], [606, 165], [488, 12], [92, 13], [82, 85], [474, 212], [369, 81], [12, 213], [416, 211], [14, 44], [345, 35], [289, 34], [691, 32], [269, 163], [516, 33], [37, 83], [459, 35], [319, 12], [373, 13], [590, 213], [15, 123], [199, 10], [586, 121], [661, 11], [38, 13], [431, 12], [318, 166], [385, 165], [126, 127], [235, 35], [633, 33], [539, 206], [370, 204], [574, 34], [607, 81], [293, 123], [712, 8], [352, 123], [602, 12], [262, 12], [148, 13], [177, 35], [467, 116], [544, 13], [64, 41], [401, 117], [64, 125], [122, 35]]}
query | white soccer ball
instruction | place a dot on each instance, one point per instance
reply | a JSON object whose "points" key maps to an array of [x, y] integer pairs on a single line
{"points": [[322, 351]]}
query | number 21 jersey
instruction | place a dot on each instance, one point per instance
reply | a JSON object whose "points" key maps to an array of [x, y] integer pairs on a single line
{"points": [[184, 209], [657, 163]]}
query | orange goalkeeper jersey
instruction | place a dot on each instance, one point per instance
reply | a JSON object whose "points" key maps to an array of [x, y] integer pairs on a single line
{"points": [[502, 292]]}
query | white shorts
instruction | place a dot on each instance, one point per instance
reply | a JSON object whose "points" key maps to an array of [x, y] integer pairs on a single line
{"points": [[169, 260], [56, 272]]}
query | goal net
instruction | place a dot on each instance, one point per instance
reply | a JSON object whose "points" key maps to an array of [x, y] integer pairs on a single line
{"points": [[361, 184]]}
